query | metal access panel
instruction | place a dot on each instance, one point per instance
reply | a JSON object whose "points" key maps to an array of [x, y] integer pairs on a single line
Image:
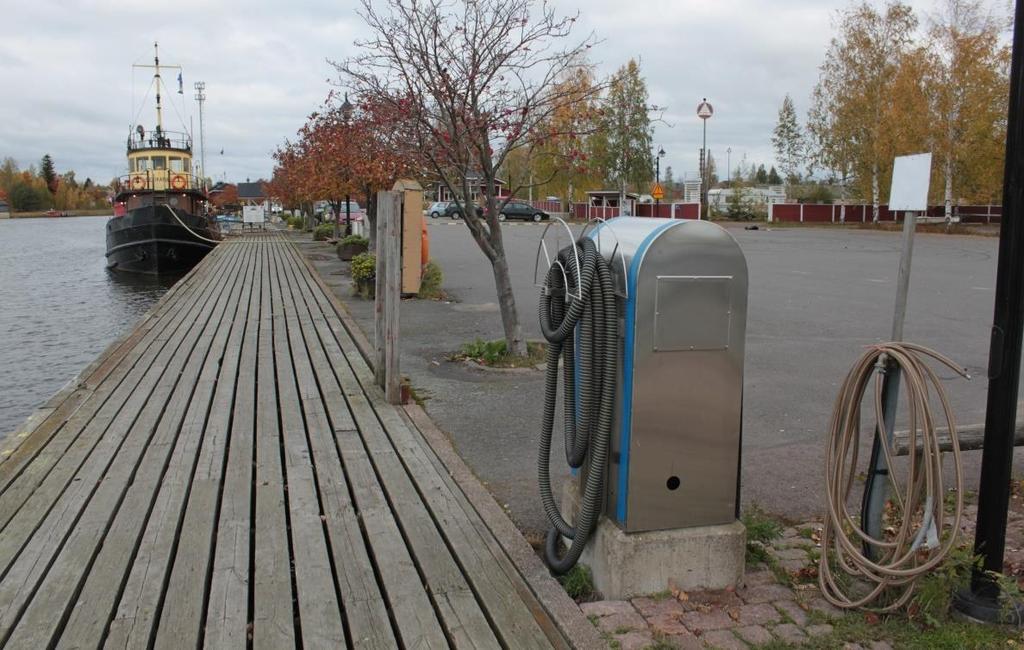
{"points": [[675, 454]]}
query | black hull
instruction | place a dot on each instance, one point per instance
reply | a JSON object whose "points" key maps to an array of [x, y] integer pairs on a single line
{"points": [[150, 240]]}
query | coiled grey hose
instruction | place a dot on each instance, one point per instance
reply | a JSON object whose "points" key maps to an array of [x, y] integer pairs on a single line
{"points": [[916, 547], [588, 421]]}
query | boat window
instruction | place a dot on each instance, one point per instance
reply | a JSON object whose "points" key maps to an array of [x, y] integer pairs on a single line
{"points": [[159, 162], [142, 164], [176, 165]]}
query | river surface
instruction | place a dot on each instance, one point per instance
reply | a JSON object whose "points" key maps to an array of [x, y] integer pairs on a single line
{"points": [[59, 307]]}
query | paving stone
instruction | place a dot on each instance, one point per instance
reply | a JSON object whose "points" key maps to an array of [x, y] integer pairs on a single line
{"points": [[649, 607], [724, 640], [790, 554], [618, 623], [791, 609], [880, 645], [792, 566], [801, 543], [821, 605], [634, 640], [684, 641], [716, 619], [758, 614], [667, 624], [852, 646], [606, 608], [789, 633], [788, 533], [754, 634], [759, 577], [718, 597], [818, 630], [766, 593]]}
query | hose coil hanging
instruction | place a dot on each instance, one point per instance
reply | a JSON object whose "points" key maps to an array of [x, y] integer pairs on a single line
{"points": [[916, 547], [588, 398]]}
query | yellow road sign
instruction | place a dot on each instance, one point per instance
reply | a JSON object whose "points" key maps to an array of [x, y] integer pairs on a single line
{"points": [[658, 192]]}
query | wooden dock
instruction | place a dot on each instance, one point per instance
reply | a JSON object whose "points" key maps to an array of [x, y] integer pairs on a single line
{"points": [[227, 476]]}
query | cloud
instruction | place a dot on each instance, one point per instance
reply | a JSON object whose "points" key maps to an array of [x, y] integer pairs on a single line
{"points": [[68, 87]]}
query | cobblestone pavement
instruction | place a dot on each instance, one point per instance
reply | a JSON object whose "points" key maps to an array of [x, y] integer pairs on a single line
{"points": [[764, 609]]}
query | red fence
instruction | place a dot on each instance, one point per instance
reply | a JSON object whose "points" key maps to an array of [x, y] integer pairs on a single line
{"points": [[862, 213], [587, 212]]}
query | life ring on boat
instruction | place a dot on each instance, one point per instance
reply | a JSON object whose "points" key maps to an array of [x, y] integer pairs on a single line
{"points": [[137, 182], [178, 182]]}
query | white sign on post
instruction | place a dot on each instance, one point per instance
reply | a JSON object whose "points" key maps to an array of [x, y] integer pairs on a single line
{"points": [[911, 176]]}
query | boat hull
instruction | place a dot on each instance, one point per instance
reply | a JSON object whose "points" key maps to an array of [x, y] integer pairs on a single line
{"points": [[149, 240]]}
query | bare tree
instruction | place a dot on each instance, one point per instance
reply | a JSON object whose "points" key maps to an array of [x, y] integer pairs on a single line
{"points": [[473, 81]]}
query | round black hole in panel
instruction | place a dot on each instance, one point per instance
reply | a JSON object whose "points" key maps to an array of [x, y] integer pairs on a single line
{"points": [[672, 483]]}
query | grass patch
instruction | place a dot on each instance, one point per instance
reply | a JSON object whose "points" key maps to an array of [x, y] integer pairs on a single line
{"points": [[761, 530], [901, 633], [430, 283], [495, 354], [578, 583]]}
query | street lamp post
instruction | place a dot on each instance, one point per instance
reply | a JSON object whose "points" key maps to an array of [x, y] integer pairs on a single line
{"points": [[657, 177], [704, 112], [728, 165], [346, 112]]}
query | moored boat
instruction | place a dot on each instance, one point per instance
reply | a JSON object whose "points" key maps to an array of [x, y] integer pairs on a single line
{"points": [[159, 224]]}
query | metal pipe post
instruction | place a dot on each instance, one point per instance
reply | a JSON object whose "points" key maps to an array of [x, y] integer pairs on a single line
{"points": [[983, 601]]}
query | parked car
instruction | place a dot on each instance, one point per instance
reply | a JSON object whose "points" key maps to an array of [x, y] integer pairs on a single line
{"points": [[521, 210], [437, 208], [454, 212]]}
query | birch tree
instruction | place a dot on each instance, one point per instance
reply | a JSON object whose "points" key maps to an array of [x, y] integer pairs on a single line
{"points": [[470, 81], [623, 142], [846, 117]]}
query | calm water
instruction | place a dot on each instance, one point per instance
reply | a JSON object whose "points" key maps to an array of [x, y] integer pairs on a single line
{"points": [[59, 307]]}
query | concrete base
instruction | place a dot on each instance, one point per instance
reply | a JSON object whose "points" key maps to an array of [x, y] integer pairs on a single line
{"points": [[638, 564]]}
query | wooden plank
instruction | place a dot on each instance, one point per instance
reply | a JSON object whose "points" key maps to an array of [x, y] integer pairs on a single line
{"points": [[273, 614], [100, 494], [98, 596], [477, 556], [319, 610], [465, 621], [20, 479], [164, 488], [365, 609], [228, 610]]}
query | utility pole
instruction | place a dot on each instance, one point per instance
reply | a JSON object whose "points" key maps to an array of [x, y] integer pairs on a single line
{"points": [[201, 97]]}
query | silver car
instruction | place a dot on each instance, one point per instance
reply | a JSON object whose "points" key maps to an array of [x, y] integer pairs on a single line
{"points": [[436, 209]]}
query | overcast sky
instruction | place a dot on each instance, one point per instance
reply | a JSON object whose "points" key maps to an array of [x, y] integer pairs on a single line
{"points": [[67, 86]]}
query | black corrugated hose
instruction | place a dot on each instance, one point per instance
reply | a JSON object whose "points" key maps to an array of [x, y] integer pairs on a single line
{"points": [[588, 423]]}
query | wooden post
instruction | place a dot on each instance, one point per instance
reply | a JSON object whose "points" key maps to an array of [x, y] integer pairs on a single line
{"points": [[383, 214]]}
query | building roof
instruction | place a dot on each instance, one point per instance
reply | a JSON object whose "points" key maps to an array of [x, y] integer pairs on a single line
{"points": [[251, 191], [613, 193]]}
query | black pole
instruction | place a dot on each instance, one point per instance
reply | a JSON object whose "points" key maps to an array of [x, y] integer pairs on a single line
{"points": [[657, 181], [983, 601], [348, 216]]}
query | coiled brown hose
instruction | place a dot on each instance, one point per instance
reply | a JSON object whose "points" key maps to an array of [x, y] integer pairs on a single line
{"points": [[901, 560]]}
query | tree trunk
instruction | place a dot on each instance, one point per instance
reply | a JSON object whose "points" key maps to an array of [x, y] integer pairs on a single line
{"points": [[507, 302], [874, 192], [948, 172]]}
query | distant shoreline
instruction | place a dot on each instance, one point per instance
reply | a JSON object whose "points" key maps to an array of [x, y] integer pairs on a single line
{"points": [[41, 214]]}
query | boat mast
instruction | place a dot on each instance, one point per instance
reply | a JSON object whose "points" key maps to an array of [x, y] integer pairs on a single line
{"points": [[157, 78]]}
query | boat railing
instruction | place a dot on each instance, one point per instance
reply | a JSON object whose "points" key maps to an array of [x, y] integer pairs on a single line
{"points": [[159, 180], [160, 140]]}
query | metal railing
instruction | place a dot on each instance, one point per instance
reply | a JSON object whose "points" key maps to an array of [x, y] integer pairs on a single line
{"points": [[160, 140], [158, 180]]}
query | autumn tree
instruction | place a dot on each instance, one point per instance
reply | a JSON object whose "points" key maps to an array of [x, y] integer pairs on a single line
{"points": [[623, 142], [969, 86], [788, 141], [845, 121], [472, 82]]}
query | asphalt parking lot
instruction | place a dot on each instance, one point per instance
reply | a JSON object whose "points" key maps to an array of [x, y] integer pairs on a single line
{"points": [[817, 296]]}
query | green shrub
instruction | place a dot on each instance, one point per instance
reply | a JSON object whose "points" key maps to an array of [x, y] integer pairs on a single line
{"points": [[490, 352], [430, 283], [364, 267], [323, 232], [355, 240]]}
